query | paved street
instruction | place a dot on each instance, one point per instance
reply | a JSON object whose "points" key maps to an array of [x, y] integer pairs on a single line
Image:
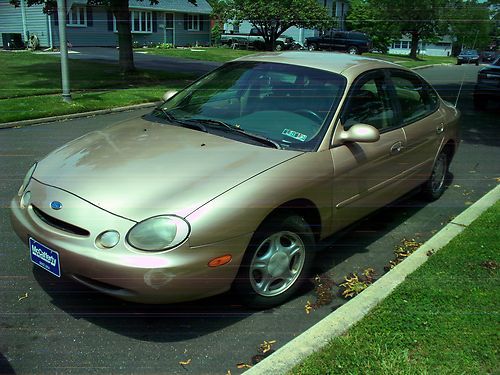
{"points": [[145, 61], [57, 326]]}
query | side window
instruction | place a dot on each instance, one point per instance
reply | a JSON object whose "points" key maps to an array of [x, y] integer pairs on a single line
{"points": [[416, 99], [369, 103]]}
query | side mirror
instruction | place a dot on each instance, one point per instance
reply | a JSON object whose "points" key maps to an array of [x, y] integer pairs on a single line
{"points": [[360, 133], [169, 94]]}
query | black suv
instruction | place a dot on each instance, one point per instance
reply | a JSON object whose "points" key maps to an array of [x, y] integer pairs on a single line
{"points": [[352, 42]]}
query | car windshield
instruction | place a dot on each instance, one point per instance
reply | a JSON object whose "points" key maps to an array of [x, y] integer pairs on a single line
{"points": [[287, 104], [469, 52]]}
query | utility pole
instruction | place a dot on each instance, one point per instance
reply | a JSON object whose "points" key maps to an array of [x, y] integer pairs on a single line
{"points": [[23, 17], [63, 48]]}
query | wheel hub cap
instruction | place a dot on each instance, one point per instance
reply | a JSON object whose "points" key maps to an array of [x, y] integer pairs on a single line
{"points": [[278, 264]]}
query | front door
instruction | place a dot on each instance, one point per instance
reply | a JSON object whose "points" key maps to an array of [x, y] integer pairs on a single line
{"points": [[169, 28], [366, 175]]}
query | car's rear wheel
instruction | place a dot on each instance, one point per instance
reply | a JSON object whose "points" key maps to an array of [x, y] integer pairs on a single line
{"points": [[436, 184], [279, 47], [276, 262], [352, 50]]}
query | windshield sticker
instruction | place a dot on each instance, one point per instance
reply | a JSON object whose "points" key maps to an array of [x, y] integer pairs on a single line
{"points": [[295, 135]]}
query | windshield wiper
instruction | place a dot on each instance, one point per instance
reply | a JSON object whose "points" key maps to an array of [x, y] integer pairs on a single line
{"points": [[171, 118], [238, 130]]}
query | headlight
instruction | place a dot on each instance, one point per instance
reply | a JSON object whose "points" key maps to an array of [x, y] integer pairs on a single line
{"points": [[158, 233], [26, 180]]}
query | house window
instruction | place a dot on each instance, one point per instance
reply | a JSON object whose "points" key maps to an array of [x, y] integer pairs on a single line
{"points": [[193, 22], [141, 21], [405, 44], [397, 44], [77, 16]]}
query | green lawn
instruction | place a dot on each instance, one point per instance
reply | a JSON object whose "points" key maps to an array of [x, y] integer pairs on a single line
{"points": [[29, 82], [443, 319], [219, 54], [411, 63]]}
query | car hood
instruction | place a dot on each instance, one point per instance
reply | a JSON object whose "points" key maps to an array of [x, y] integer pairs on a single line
{"points": [[138, 169]]}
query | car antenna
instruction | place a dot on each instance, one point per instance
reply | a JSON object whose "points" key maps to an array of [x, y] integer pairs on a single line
{"points": [[463, 75]]}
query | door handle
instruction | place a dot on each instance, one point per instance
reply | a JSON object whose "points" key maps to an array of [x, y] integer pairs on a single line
{"points": [[396, 148], [440, 128]]}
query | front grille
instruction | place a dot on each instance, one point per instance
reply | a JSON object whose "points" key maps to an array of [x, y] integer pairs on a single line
{"points": [[59, 224]]}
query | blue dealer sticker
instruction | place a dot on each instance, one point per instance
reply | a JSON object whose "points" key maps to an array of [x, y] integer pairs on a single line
{"points": [[295, 135], [44, 257]]}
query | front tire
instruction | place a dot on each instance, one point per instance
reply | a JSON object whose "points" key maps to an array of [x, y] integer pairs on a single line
{"points": [[277, 261], [312, 47], [436, 184], [352, 50]]}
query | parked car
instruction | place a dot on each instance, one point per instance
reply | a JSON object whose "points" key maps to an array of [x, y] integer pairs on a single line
{"points": [[232, 181], [255, 40], [352, 42], [488, 56], [488, 85], [468, 56]]}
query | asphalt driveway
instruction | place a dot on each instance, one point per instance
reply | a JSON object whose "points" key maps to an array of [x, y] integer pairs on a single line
{"points": [[49, 325]]}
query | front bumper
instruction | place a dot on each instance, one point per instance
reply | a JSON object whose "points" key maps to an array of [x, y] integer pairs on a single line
{"points": [[180, 274]]}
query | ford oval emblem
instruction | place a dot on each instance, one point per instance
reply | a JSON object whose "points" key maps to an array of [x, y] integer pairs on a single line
{"points": [[56, 205]]}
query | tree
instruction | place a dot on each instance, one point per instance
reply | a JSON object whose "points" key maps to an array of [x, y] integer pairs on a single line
{"points": [[120, 9], [422, 19], [273, 17], [220, 14], [366, 17], [470, 24]]}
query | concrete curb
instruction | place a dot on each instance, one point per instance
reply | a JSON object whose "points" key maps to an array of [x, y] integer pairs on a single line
{"points": [[44, 120], [430, 66], [338, 322]]}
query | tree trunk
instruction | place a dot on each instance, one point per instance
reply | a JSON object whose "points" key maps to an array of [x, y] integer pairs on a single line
{"points": [[126, 53], [414, 44]]}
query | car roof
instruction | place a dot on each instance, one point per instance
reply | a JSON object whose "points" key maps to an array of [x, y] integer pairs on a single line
{"points": [[340, 63]]}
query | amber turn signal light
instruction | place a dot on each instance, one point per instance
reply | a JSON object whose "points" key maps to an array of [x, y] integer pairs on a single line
{"points": [[220, 261]]}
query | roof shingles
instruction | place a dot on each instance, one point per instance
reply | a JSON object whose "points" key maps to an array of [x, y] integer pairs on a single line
{"points": [[182, 6]]}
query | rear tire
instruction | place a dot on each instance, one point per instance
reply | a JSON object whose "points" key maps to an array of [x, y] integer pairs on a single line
{"points": [[276, 262], [435, 186]]}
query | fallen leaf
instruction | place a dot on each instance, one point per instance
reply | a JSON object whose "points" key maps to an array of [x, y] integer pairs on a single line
{"points": [[308, 307], [184, 363], [456, 186], [243, 365], [497, 179], [228, 372], [266, 346], [468, 203], [23, 297]]}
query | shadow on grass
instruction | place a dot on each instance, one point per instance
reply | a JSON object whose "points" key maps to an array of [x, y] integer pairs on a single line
{"points": [[40, 78]]}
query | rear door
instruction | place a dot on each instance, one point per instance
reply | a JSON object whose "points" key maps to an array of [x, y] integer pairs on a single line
{"points": [[422, 123]]}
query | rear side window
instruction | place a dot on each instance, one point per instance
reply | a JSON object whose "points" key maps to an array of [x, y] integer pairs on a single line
{"points": [[416, 98]]}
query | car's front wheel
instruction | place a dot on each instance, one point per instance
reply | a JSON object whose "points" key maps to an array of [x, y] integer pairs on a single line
{"points": [[276, 262], [352, 50], [436, 184], [312, 47]]}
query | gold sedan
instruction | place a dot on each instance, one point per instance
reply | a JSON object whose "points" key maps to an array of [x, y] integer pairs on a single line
{"points": [[231, 182]]}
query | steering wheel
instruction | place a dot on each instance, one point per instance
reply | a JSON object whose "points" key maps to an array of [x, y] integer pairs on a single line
{"points": [[309, 114]]}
